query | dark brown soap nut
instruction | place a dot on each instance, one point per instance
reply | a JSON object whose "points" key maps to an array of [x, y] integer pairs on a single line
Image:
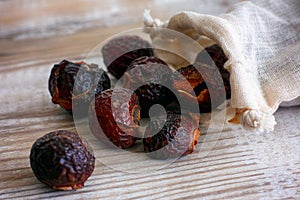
{"points": [[148, 75], [199, 95], [114, 117], [119, 52], [78, 82], [171, 138], [62, 160], [218, 58], [202, 76]]}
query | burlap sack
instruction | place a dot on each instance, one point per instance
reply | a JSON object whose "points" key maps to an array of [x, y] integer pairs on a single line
{"points": [[262, 42]]}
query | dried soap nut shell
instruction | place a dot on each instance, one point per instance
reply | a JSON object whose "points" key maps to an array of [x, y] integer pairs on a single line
{"points": [[76, 83], [62, 160], [148, 76], [173, 138], [114, 118], [203, 77], [119, 52]]}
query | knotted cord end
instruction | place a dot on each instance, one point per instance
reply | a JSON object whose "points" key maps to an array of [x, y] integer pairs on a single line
{"points": [[257, 121]]}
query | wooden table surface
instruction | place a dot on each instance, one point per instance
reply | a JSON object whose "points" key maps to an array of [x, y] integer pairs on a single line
{"points": [[38, 33]]}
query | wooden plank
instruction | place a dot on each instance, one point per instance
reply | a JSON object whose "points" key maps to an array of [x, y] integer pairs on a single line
{"points": [[239, 165]]}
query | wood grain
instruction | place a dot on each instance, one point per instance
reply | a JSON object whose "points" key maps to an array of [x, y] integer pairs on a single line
{"points": [[237, 164]]}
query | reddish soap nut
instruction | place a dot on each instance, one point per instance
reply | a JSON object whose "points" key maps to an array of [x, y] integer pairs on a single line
{"points": [[173, 137], [199, 95], [146, 69], [114, 118], [203, 79], [119, 52], [217, 58], [62, 160], [76, 82], [148, 76]]}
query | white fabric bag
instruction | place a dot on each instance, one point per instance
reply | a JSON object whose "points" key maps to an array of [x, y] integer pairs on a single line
{"points": [[261, 40]]}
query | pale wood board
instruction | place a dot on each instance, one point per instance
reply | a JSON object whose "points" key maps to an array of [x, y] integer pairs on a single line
{"points": [[240, 165]]}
